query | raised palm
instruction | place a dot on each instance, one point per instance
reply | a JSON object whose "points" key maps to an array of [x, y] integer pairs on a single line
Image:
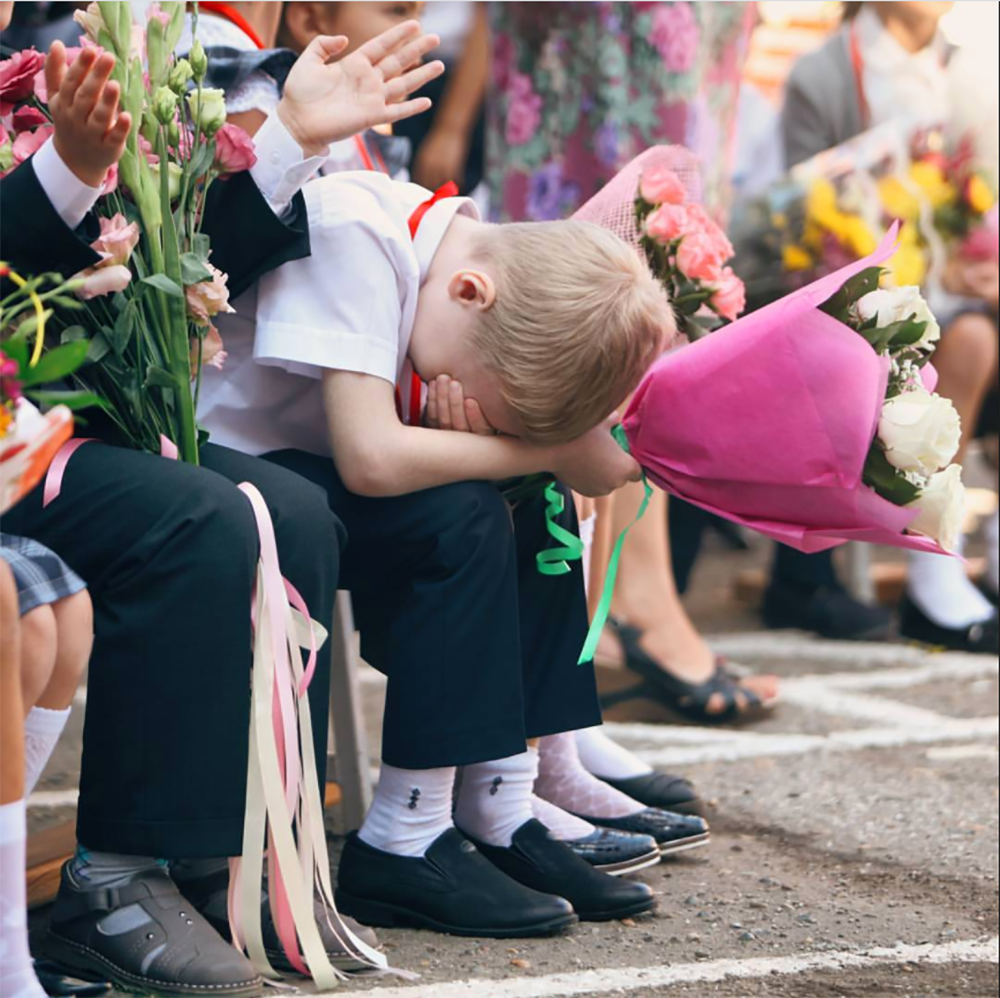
{"points": [[325, 101]]}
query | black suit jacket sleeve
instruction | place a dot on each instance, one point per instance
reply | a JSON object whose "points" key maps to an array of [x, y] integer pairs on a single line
{"points": [[33, 238], [248, 239]]}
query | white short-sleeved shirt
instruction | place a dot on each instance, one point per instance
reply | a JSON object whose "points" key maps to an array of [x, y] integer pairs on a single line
{"points": [[349, 306]]}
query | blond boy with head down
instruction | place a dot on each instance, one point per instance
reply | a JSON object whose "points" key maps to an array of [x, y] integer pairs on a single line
{"points": [[529, 336]]}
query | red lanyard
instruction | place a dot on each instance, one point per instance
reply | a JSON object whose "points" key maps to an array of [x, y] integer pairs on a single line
{"points": [[448, 190], [859, 78], [366, 159], [234, 17]]}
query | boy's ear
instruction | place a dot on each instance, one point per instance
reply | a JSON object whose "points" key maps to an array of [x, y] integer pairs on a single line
{"points": [[472, 288], [300, 25]]}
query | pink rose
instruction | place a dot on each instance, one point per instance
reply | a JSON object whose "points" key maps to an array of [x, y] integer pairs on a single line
{"points": [[662, 186], [234, 151], [101, 280], [117, 240], [29, 142], [110, 182], [524, 110], [667, 223], [675, 36], [212, 352], [25, 118], [698, 257], [730, 296], [701, 221], [17, 77], [208, 298]]}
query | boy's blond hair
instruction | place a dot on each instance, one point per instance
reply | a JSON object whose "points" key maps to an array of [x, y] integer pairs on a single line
{"points": [[578, 318]]}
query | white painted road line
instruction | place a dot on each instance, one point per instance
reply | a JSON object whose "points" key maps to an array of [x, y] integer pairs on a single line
{"points": [[814, 694], [619, 980]]}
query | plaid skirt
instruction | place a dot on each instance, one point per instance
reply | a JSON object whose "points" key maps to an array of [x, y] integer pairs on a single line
{"points": [[41, 575]]}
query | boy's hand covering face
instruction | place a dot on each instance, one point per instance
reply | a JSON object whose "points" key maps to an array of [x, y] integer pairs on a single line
{"points": [[325, 102], [594, 464], [449, 409], [89, 134]]}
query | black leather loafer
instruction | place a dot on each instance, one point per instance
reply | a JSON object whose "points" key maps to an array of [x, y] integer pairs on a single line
{"points": [[673, 833], [210, 894], [146, 938], [536, 859], [914, 624], [662, 790], [615, 852], [451, 889]]}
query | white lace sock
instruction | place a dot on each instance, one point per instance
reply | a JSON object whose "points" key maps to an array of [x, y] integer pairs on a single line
{"points": [[42, 728], [564, 826], [563, 781], [494, 798], [17, 975], [941, 589], [993, 552], [411, 808], [604, 757]]}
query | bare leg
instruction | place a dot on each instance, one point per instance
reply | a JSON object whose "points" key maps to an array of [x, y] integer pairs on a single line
{"points": [[11, 709], [38, 653], [74, 620]]}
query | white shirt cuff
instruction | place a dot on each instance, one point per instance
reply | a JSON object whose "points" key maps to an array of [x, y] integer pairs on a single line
{"points": [[70, 196], [280, 171]]}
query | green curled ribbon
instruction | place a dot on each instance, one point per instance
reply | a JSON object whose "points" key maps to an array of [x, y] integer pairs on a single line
{"points": [[604, 607], [555, 561]]}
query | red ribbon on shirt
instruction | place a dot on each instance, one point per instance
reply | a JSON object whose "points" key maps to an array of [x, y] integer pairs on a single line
{"points": [[232, 15], [448, 190]]}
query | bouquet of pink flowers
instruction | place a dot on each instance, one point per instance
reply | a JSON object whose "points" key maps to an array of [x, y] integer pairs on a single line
{"points": [[147, 326], [812, 420], [688, 251]]}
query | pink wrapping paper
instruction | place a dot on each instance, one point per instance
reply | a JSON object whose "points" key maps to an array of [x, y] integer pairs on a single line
{"points": [[767, 422]]}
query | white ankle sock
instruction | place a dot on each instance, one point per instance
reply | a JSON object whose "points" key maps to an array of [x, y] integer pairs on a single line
{"points": [[564, 826], [993, 552], [563, 781], [494, 798], [42, 728], [604, 757], [412, 808], [17, 975], [941, 589]]}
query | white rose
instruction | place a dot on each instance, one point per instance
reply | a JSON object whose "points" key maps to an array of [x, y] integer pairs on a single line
{"points": [[941, 507], [920, 431], [896, 304]]}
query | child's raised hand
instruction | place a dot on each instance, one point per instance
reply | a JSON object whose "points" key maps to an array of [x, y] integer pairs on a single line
{"points": [[89, 132], [449, 409], [324, 102], [594, 464]]}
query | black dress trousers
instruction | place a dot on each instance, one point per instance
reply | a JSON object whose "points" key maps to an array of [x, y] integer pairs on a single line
{"points": [[480, 649]]}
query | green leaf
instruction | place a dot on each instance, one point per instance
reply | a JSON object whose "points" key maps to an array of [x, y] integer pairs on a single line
{"points": [[27, 329], [98, 349], [72, 333], [119, 336], [910, 331], [201, 160], [887, 481], [17, 350], [193, 269], [163, 283], [839, 304], [201, 246], [56, 363], [156, 377], [71, 399]]}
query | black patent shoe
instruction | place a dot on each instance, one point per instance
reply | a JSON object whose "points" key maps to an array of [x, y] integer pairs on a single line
{"points": [[538, 860], [210, 897], [978, 638], [829, 611], [616, 852], [673, 833], [159, 945], [452, 888], [662, 790]]}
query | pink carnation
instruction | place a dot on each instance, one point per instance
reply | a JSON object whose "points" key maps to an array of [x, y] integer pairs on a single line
{"points": [[524, 110], [101, 280], [25, 118], [30, 142], [730, 295], [234, 150], [117, 240], [17, 77], [208, 298], [675, 36], [698, 257], [667, 223], [662, 186]]}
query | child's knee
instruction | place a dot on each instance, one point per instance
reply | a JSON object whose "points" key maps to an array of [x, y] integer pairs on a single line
{"points": [[475, 522], [74, 618], [38, 651], [972, 340]]}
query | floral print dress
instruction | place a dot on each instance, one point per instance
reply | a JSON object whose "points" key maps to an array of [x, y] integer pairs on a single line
{"points": [[578, 89]]}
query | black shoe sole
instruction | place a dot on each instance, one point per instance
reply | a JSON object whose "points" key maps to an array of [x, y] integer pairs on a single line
{"points": [[683, 845], [636, 908], [84, 962], [381, 915]]}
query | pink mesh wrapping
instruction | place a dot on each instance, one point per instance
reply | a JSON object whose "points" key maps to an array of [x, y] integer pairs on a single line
{"points": [[612, 207]]}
